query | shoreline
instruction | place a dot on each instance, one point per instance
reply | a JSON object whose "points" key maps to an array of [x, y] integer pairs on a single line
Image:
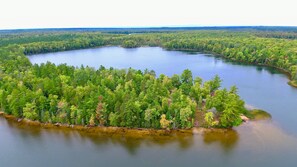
{"points": [[291, 82], [256, 114], [120, 131], [131, 132], [112, 131]]}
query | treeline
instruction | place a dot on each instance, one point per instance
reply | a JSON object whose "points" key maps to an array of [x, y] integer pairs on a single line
{"points": [[30, 37], [281, 35], [255, 47], [279, 53]]}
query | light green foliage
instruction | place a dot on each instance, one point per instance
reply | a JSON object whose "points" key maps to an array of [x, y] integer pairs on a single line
{"points": [[230, 115], [148, 115], [209, 119], [113, 119], [176, 82], [129, 44], [64, 79], [1, 98], [215, 83], [293, 70], [186, 117], [186, 81], [29, 111], [46, 117], [228, 106], [233, 90]]}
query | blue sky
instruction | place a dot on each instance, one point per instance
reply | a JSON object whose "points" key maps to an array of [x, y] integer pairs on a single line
{"points": [[145, 13]]}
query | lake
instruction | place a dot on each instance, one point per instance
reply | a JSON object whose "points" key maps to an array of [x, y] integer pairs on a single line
{"points": [[264, 143]]}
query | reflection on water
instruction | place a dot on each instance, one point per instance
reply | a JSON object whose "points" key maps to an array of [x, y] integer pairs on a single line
{"points": [[261, 143], [259, 68], [226, 138]]}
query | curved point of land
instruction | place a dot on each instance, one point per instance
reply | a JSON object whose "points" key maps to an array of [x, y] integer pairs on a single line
{"points": [[257, 115], [293, 83]]}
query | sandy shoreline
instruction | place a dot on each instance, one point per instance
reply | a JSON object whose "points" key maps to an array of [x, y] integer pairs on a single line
{"points": [[111, 131]]}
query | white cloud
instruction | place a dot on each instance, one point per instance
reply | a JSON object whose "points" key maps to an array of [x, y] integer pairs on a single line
{"points": [[135, 13]]}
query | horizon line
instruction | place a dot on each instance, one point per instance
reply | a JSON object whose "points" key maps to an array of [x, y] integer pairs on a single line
{"points": [[149, 27]]}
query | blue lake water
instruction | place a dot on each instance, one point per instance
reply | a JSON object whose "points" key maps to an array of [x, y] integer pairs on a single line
{"points": [[265, 143]]}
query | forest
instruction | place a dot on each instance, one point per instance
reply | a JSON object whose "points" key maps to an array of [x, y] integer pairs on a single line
{"points": [[128, 97]]}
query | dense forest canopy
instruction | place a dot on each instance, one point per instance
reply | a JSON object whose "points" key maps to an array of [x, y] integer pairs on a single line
{"points": [[129, 97]]}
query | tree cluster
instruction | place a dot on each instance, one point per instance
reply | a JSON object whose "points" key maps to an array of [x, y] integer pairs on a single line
{"points": [[129, 97]]}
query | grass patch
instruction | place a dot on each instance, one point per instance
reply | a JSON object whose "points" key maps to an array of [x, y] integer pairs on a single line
{"points": [[257, 114], [293, 83]]}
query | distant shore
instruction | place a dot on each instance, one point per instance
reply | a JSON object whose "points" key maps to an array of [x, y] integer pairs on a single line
{"points": [[292, 82]]}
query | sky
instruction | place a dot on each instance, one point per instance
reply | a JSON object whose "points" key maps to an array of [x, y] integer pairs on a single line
{"points": [[15, 14]]}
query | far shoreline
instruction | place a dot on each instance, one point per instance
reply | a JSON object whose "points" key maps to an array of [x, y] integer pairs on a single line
{"points": [[291, 82]]}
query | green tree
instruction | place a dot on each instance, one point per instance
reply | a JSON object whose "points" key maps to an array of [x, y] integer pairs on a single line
{"points": [[209, 119], [29, 111], [185, 117]]}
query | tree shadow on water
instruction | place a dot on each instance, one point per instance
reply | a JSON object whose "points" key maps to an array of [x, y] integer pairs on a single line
{"points": [[130, 140], [227, 138], [24, 130], [132, 143]]}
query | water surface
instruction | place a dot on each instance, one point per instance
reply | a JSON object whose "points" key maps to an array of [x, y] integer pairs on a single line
{"points": [[260, 144]]}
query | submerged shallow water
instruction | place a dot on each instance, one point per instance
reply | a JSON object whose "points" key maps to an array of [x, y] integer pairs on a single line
{"points": [[264, 143]]}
